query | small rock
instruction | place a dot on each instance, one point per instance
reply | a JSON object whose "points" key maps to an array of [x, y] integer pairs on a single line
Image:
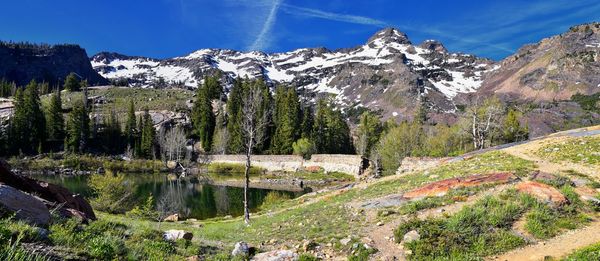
{"points": [[345, 241], [277, 255], [173, 235], [241, 249], [172, 218], [411, 236], [309, 245], [379, 224]]}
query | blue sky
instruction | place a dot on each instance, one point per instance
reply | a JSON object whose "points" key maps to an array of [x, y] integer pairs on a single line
{"points": [[168, 28]]}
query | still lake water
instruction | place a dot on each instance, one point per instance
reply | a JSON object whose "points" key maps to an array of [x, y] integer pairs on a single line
{"points": [[188, 197]]}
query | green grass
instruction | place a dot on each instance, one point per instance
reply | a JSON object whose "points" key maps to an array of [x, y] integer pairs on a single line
{"points": [[153, 99], [475, 231], [86, 162], [227, 170], [587, 253], [585, 150]]}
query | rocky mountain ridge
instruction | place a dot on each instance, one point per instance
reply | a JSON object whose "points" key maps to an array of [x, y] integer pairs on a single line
{"points": [[387, 73], [22, 62]]}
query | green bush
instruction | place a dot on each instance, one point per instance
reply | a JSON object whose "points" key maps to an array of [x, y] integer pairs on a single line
{"points": [[274, 198], [307, 257], [111, 193], [146, 211], [232, 169], [304, 147]]}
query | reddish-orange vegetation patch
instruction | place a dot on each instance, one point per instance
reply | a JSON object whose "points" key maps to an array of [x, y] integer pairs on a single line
{"points": [[441, 187], [542, 192], [313, 168]]}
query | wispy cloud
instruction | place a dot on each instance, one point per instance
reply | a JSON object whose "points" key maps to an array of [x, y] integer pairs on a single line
{"points": [[264, 37], [315, 13]]}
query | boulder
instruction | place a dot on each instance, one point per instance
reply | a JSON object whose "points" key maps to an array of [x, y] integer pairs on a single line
{"points": [[440, 188], [57, 196], [241, 249], [277, 255], [542, 192], [172, 218], [25, 206], [174, 235], [548, 178], [411, 236], [309, 245]]}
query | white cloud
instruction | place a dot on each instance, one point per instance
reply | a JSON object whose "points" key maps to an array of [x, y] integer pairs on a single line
{"points": [[309, 12]]}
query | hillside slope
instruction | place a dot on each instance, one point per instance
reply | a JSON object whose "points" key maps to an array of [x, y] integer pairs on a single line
{"points": [[553, 69]]}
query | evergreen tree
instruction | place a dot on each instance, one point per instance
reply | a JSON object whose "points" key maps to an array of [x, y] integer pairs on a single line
{"points": [[307, 122], [265, 113], [320, 126], [213, 87], [286, 119], [35, 123], [369, 130], [148, 138], [54, 118], [72, 83], [130, 126], [111, 134], [234, 117], [331, 133], [203, 117], [18, 124], [78, 128]]}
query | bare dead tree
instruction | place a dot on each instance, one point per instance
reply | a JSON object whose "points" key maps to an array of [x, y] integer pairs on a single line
{"points": [[254, 123], [172, 144], [484, 118]]}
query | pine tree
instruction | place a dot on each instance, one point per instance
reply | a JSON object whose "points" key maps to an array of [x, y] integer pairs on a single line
{"points": [[512, 129], [307, 122], [286, 120], [369, 130], [148, 138], [213, 87], [130, 126], [35, 124], [18, 124], [320, 126], [72, 83], [78, 128], [330, 131], [203, 117], [234, 117], [111, 134], [54, 118]]}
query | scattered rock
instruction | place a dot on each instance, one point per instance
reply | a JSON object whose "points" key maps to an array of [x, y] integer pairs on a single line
{"points": [[309, 245], [379, 224], [193, 258], [241, 249], [173, 235], [277, 255], [172, 218], [542, 192], [26, 207], [548, 178], [411, 236], [441, 187], [345, 241]]}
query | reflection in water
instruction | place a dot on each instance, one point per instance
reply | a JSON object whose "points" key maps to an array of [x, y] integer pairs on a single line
{"points": [[188, 197]]}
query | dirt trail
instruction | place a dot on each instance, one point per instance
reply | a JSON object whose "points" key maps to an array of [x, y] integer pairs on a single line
{"points": [[525, 151], [558, 246], [390, 250]]}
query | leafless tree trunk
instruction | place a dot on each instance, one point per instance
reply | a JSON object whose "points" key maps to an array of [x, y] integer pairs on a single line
{"points": [[485, 118], [172, 144], [253, 130]]}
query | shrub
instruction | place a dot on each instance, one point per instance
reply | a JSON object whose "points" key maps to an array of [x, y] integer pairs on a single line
{"points": [[587, 253], [232, 169], [146, 211], [111, 193], [307, 257], [304, 147], [273, 198]]}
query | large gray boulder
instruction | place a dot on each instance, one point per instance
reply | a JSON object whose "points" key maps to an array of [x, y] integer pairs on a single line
{"points": [[174, 235], [25, 206], [241, 249]]}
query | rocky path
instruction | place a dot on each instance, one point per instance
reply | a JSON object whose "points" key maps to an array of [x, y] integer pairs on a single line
{"points": [[556, 247]]}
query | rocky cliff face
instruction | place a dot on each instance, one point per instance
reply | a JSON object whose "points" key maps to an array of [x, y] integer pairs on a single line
{"points": [[23, 62], [552, 69], [387, 73]]}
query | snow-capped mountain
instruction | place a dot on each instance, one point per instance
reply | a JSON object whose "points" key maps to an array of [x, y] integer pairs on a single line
{"points": [[388, 72]]}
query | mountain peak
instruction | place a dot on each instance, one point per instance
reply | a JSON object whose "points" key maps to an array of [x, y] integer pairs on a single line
{"points": [[389, 35], [433, 45]]}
